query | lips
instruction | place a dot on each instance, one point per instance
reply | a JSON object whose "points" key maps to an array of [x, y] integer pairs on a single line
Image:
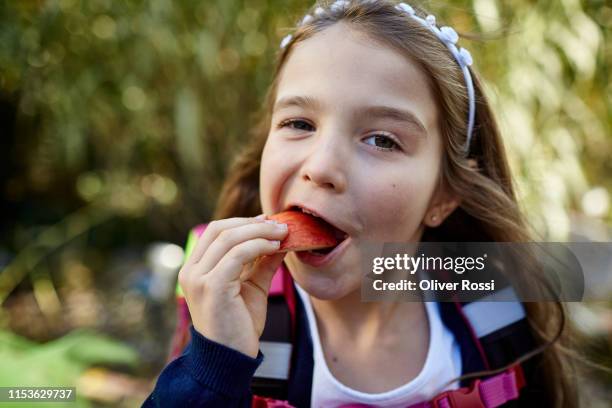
{"points": [[318, 260]]}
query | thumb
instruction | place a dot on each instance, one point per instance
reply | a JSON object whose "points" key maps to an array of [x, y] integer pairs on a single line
{"points": [[264, 270]]}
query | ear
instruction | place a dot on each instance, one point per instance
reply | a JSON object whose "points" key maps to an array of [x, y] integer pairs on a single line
{"points": [[443, 203]]}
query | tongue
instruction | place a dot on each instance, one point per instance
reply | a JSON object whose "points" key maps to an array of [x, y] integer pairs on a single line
{"points": [[306, 232]]}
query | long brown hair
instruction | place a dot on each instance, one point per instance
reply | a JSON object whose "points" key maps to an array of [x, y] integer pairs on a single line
{"points": [[489, 209]]}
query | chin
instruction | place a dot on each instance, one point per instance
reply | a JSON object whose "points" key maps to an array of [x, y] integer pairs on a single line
{"points": [[319, 283]]}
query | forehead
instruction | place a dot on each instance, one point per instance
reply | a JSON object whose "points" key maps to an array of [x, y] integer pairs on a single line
{"points": [[344, 69]]}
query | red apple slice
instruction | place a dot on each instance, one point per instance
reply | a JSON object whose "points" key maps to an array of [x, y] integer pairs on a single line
{"points": [[306, 232]]}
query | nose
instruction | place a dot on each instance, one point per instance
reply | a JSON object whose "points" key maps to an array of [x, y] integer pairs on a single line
{"points": [[325, 165]]}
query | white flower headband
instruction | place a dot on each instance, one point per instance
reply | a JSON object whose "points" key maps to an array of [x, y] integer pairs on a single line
{"points": [[447, 35]]}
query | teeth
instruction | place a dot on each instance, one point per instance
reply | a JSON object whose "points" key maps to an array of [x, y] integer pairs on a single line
{"points": [[341, 236], [308, 212]]}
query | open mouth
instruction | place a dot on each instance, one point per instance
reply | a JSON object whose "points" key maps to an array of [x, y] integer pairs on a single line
{"points": [[336, 232]]}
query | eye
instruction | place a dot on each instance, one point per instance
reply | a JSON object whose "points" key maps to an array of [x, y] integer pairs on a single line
{"points": [[296, 124], [383, 142]]}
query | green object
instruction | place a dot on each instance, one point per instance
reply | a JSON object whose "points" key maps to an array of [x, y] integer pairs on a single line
{"points": [[191, 241], [59, 362]]}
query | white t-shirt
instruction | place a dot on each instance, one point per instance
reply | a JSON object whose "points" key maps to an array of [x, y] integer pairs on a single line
{"points": [[443, 363]]}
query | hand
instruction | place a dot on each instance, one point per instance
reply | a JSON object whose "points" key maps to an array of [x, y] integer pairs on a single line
{"points": [[227, 278]]}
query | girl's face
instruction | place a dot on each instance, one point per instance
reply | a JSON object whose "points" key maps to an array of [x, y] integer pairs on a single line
{"points": [[353, 137]]}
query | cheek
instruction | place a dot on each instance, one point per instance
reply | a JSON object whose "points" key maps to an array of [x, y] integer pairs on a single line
{"points": [[273, 168], [394, 208], [265, 181]]}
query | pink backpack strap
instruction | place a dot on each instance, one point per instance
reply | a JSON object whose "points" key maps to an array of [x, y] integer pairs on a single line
{"points": [[199, 229], [263, 402], [277, 287], [180, 338], [282, 285], [489, 393]]}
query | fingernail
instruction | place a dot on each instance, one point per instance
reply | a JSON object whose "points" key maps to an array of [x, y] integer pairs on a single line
{"points": [[260, 217], [283, 227], [275, 243], [270, 221]]}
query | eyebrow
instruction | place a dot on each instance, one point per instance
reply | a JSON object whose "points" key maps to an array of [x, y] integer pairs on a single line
{"points": [[369, 112]]}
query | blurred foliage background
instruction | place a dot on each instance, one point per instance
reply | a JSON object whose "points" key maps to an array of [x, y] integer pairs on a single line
{"points": [[119, 120]]}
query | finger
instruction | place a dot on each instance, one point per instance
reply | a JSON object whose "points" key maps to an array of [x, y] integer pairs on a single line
{"points": [[230, 265], [255, 291], [229, 238], [213, 230], [264, 269]]}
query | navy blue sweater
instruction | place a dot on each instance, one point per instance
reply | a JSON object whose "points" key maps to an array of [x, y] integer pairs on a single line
{"points": [[206, 374]]}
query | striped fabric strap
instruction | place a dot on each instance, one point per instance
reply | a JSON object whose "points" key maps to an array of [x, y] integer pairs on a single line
{"points": [[494, 312], [277, 361]]}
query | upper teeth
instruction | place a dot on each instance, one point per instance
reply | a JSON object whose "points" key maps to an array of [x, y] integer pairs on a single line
{"points": [[308, 212], [343, 234]]}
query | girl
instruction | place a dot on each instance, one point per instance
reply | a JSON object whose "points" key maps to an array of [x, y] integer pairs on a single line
{"points": [[374, 122]]}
